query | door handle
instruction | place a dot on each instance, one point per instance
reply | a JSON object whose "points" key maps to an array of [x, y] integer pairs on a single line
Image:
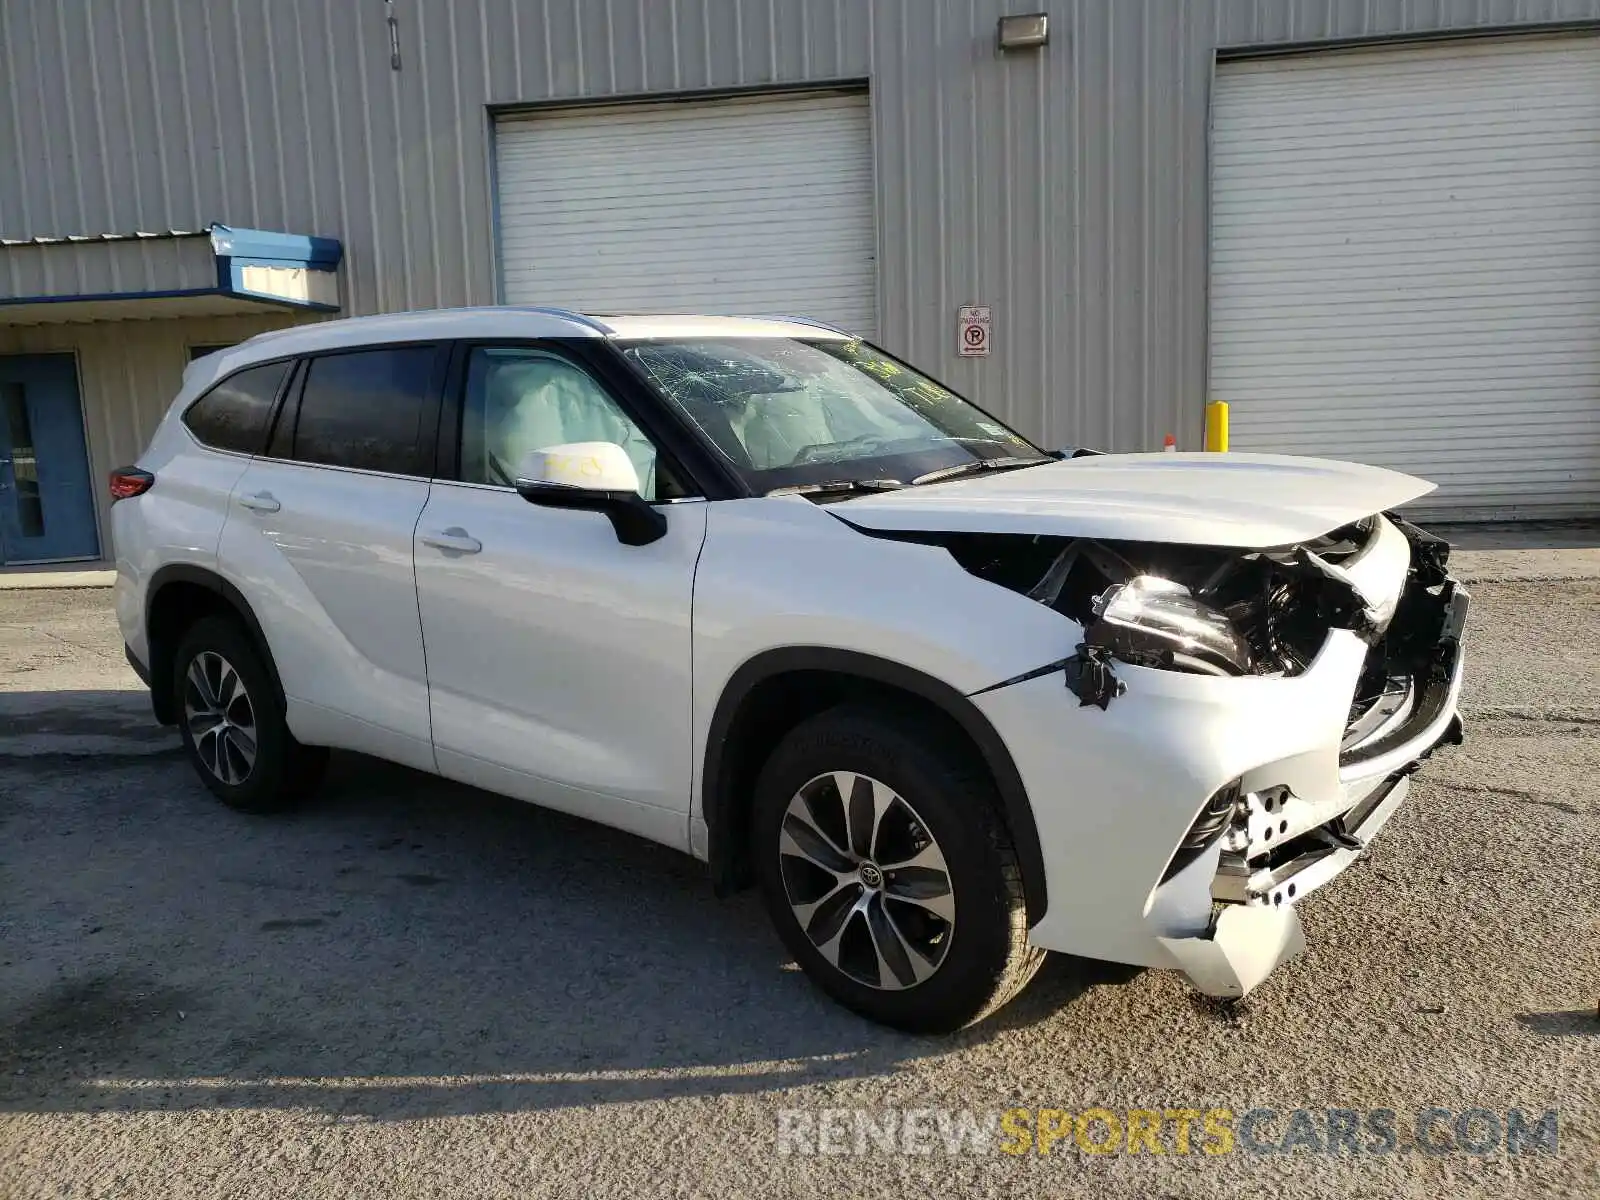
{"points": [[260, 501], [455, 538]]}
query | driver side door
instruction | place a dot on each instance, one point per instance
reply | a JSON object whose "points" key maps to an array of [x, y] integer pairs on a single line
{"points": [[558, 658]]}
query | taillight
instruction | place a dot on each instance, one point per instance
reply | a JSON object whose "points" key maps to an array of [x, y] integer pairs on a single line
{"points": [[130, 481]]}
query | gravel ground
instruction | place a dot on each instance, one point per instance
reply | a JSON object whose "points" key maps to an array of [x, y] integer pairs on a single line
{"points": [[414, 989]]}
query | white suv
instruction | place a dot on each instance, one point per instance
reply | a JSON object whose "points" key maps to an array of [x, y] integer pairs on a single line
{"points": [[759, 591]]}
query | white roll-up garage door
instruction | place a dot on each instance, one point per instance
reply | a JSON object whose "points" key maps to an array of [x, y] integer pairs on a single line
{"points": [[730, 206], [1405, 265]]}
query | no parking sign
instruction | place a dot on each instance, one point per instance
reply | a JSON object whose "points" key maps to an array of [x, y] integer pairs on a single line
{"points": [[972, 331]]}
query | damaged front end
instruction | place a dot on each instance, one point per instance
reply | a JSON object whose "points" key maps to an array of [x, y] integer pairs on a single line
{"points": [[1196, 609], [1278, 846], [1272, 846], [1292, 816]]}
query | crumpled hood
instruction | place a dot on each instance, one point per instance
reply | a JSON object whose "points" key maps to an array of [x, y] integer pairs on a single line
{"points": [[1246, 500]]}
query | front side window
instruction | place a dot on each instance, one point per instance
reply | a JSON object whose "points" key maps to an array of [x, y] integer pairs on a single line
{"points": [[364, 409], [233, 415], [787, 412], [519, 400]]}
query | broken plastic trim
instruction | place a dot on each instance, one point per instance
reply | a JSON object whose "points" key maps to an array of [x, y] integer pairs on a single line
{"points": [[1211, 823], [1342, 604], [1088, 674], [1434, 669], [1429, 554], [1091, 679]]}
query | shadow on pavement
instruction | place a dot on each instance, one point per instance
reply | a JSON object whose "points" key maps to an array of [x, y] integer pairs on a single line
{"points": [[402, 947], [1579, 1022]]}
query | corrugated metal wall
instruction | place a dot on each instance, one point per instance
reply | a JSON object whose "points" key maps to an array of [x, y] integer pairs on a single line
{"points": [[173, 262], [128, 373], [1066, 188]]}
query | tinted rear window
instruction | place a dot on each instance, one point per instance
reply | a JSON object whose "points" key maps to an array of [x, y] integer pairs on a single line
{"points": [[234, 414], [364, 409]]}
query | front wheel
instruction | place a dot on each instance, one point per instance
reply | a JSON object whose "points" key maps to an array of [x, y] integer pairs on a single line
{"points": [[888, 872], [233, 725]]}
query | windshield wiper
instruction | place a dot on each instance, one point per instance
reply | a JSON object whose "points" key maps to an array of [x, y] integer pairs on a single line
{"points": [[976, 466], [843, 486]]}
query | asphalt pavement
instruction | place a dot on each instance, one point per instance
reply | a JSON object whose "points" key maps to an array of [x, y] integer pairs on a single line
{"points": [[410, 988]]}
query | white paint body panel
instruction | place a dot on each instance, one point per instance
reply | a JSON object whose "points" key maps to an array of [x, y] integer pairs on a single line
{"points": [[329, 574], [178, 523], [749, 205], [780, 571], [559, 659], [1158, 752], [1405, 265], [1251, 500]]}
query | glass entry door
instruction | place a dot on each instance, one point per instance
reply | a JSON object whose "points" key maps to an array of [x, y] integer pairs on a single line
{"points": [[46, 498]]}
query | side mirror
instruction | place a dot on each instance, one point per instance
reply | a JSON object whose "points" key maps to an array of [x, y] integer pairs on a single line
{"points": [[594, 477]]}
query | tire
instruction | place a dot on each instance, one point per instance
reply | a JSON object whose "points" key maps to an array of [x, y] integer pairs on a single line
{"points": [[232, 722], [899, 945]]}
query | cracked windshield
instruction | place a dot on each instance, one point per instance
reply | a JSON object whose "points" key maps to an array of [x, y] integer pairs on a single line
{"points": [[829, 415]]}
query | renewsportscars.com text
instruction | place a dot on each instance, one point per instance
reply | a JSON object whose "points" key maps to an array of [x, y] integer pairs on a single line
{"points": [[1175, 1131]]}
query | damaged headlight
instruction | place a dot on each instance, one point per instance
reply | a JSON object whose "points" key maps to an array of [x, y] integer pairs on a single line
{"points": [[1150, 621]]}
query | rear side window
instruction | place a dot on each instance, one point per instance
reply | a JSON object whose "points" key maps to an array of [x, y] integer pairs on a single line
{"points": [[364, 409], [234, 414]]}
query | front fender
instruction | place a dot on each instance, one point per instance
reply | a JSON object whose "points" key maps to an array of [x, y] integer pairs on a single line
{"points": [[783, 585]]}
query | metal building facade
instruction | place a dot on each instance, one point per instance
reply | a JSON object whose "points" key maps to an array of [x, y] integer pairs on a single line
{"points": [[1065, 187]]}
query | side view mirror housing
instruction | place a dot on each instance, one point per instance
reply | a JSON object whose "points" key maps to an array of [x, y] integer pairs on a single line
{"points": [[594, 477]]}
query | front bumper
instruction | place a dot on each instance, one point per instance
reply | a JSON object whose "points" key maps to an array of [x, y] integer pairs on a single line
{"points": [[1283, 849], [1114, 791], [1260, 928]]}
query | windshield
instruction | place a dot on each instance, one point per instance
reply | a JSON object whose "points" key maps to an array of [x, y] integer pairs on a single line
{"points": [[788, 412]]}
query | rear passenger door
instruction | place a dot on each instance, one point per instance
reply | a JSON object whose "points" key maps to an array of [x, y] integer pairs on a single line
{"points": [[319, 534]]}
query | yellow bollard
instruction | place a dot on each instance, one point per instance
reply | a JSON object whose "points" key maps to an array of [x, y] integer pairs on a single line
{"points": [[1217, 426]]}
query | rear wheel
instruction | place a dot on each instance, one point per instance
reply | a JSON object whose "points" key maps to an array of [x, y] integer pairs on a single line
{"points": [[233, 725], [888, 872]]}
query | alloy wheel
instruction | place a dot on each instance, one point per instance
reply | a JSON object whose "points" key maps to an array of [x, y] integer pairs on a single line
{"points": [[866, 880], [220, 717]]}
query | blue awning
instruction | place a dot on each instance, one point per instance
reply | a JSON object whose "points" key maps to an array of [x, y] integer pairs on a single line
{"points": [[205, 272]]}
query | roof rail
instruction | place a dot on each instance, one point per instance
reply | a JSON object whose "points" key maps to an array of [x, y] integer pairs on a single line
{"points": [[811, 321], [579, 318]]}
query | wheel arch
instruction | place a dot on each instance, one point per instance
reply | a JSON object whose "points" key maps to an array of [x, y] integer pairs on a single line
{"points": [[180, 594], [777, 688]]}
